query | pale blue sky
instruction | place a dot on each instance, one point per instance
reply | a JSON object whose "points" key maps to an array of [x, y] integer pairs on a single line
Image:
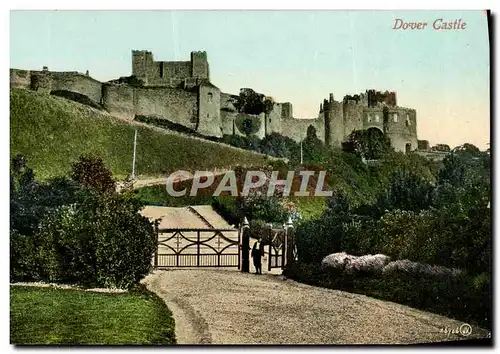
{"points": [[296, 56]]}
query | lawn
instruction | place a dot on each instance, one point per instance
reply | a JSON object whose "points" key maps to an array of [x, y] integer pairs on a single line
{"points": [[56, 316]]}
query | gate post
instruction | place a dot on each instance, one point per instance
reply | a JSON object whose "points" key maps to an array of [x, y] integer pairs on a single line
{"points": [[289, 243], [245, 246], [155, 264], [270, 239]]}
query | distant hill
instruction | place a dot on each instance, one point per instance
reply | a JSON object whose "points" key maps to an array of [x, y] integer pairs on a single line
{"points": [[52, 132]]}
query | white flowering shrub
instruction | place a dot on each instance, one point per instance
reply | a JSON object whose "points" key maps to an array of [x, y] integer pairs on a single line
{"points": [[367, 264], [337, 260]]}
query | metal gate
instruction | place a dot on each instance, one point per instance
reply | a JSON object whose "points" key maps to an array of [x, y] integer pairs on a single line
{"points": [[198, 248], [281, 247]]}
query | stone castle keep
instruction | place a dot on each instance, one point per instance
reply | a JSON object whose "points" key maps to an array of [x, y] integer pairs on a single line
{"points": [[181, 92]]}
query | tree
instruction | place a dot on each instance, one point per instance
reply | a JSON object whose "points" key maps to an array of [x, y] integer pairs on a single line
{"points": [[467, 148], [250, 102], [313, 148], [405, 191], [278, 145], [90, 172], [369, 144]]}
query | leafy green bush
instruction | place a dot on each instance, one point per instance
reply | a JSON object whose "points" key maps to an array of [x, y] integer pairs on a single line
{"points": [[62, 231], [23, 265], [100, 241]]}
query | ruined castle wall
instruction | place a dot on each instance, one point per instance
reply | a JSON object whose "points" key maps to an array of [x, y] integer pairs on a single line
{"points": [[227, 102], [353, 117], [286, 110], [402, 130], [273, 123], [320, 127], [297, 128], [168, 73], [20, 78], [227, 122], [119, 100], [175, 105], [261, 133], [49, 81], [227, 114], [79, 83], [209, 121]]}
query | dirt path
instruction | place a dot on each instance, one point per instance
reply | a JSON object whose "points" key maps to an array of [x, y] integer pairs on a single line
{"points": [[229, 307]]}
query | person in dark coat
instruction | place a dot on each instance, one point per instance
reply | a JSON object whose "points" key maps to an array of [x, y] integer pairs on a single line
{"points": [[257, 254]]}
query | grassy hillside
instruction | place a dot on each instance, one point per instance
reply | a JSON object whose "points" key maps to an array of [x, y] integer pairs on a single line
{"points": [[52, 132]]}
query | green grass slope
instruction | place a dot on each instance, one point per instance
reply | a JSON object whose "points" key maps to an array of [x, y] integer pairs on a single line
{"points": [[53, 132]]}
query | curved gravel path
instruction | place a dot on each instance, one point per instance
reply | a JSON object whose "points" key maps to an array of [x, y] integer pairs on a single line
{"points": [[229, 307]]}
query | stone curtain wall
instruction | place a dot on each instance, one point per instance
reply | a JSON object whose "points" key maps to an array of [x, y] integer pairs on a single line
{"points": [[297, 128], [175, 105], [227, 120], [273, 123], [119, 100], [79, 83], [49, 81]]}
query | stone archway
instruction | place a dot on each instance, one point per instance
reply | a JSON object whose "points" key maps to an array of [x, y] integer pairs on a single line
{"points": [[375, 131]]}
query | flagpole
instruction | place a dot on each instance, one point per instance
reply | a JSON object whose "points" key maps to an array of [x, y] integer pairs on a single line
{"points": [[133, 159], [301, 155]]}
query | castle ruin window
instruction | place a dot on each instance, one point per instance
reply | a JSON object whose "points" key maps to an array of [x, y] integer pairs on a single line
{"points": [[161, 69], [210, 97], [395, 117], [377, 118], [408, 121]]}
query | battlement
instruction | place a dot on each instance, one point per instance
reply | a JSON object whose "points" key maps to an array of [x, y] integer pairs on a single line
{"points": [[199, 55], [169, 73]]}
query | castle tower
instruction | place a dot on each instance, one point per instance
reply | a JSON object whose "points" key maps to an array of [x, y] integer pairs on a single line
{"points": [[141, 61], [199, 65], [334, 122]]}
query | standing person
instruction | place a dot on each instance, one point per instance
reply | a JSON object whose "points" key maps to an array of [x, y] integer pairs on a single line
{"points": [[257, 254]]}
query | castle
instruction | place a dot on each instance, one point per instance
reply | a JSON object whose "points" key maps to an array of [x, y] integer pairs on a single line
{"points": [[181, 92]]}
